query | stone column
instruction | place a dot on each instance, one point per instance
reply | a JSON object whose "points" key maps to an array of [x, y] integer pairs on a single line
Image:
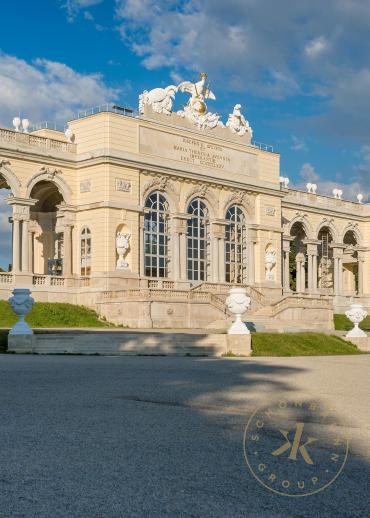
{"points": [[298, 273], [361, 259], [251, 262], [141, 250], [176, 256], [312, 267], [179, 229], [16, 263], [338, 269], [303, 277], [67, 259], [215, 259], [286, 261], [25, 246], [183, 258], [314, 272], [221, 260], [218, 250]]}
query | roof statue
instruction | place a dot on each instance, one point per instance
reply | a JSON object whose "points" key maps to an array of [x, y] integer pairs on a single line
{"points": [[160, 99], [237, 122], [196, 109]]}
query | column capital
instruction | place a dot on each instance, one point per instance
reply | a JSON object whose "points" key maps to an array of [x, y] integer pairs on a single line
{"points": [[16, 201]]}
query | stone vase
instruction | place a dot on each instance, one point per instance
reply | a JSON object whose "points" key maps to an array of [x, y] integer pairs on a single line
{"points": [[356, 313], [21, 303], [237, 303]]}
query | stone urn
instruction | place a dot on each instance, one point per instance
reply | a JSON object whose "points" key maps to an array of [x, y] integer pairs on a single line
{"points": [[356, 313], [21, 303], [237, 303]]}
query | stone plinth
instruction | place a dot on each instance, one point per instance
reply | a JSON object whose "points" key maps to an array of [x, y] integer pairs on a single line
{"points": [[362, 343], [239, 344]]}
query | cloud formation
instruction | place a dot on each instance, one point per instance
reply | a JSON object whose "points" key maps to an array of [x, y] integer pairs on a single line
{"points": [[73, 7], [308, 173], [261, 48], [47, 90]]}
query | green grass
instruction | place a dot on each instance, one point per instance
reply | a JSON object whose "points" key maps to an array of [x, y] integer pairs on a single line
{"points": [[300, 344], [53, 314], [341, 323]]}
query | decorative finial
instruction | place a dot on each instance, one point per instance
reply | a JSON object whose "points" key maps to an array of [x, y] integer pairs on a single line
{"points": [[203, 75], [360, 197]]}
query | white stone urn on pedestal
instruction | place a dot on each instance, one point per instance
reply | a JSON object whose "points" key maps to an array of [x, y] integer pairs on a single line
{"points": [[21, 303], [356, 313], [237, 303]]}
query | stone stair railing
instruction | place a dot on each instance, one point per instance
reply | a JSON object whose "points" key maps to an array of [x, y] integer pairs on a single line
{"points": [[290, 301]]}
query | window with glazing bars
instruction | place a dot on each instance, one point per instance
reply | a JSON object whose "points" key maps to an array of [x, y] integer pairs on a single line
{"points": [[198, 241], [156, 236], [236, 246]]}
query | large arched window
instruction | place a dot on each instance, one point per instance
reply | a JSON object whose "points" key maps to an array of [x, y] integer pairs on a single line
{"points": [[156, 236], [198, 241], [236, 246], [85, 251]]}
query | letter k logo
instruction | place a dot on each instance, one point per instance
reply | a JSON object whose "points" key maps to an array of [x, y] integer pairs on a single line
{"points": [[295, 447]]}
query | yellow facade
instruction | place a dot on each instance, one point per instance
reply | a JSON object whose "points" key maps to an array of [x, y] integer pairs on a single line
{"points": [[98, 186]]}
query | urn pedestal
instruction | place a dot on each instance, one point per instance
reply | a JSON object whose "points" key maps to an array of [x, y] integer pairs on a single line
{"points": [[21, 303], [356, 314], [237, 303]]}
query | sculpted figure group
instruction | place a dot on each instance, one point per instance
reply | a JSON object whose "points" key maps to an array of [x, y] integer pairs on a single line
{"points": [[161, 101]]}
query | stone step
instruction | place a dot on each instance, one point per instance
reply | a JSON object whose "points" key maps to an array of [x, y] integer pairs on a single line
{"points": [[122, 343]]}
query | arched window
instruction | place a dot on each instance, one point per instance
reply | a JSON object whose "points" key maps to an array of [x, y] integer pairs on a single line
{"points": [[198, 241], [236, 246], [85, 251], [156, 236]]}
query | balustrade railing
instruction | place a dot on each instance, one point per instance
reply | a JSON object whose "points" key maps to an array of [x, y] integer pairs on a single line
{"points": [[6, 278], [17, 137]]}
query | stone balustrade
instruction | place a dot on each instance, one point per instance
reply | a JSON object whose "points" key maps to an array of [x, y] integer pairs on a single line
{"points": [[320, 201], [15, 137], [6, 278]]}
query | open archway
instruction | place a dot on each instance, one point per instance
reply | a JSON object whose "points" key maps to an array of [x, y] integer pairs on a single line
{"points": [[350, 263], [46, 240], [325, 272], [298, 258]]}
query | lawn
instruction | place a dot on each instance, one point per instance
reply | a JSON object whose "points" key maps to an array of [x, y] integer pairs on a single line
{"points": [[56, 314], [300, 344], [341, 323]]}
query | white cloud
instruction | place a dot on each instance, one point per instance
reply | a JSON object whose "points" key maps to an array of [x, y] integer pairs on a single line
{"points": [[47, 90], [308, 173], [259, 48], [73, 7], [316, 47], [297, 144]]}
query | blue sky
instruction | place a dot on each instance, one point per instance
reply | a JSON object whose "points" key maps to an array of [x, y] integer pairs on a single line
{"points": [[301, 71]]}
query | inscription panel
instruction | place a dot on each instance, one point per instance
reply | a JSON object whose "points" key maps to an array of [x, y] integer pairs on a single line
{"points": [[197, 152]]}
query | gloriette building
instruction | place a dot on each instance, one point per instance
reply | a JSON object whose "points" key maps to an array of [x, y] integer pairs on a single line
{"points": [[150, 217]]}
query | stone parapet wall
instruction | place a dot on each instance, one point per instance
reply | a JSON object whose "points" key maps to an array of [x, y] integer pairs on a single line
{"points": [[129, 343]]}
